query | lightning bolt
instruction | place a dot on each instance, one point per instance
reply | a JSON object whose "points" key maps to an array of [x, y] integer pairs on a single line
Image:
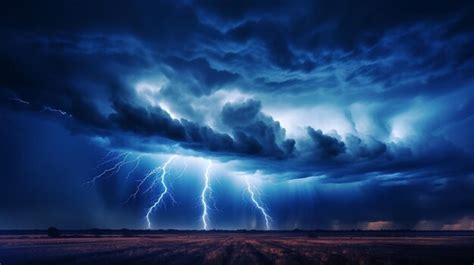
{"points": [[143, 181], [107, 159], [185, 167], [250, 189], [107, 155], [137, 162], [204, 196], [62, 112], [17, 99], [159, 175], [44, 108], [163, 192], [116, 167]]}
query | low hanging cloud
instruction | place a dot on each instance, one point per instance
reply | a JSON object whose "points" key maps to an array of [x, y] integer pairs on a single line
{"points": [[255, 132], [324, 146]]}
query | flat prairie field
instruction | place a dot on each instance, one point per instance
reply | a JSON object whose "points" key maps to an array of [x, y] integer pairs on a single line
{"points": [[235, 248]]}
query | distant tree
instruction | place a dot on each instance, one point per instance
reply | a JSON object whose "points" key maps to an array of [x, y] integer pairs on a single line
{"points": [[53, 232]]}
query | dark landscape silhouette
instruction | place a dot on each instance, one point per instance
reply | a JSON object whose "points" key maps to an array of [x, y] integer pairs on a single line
{"points": [[125, 246]]}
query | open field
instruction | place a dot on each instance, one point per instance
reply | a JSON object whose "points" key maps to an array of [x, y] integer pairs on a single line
{"points": [[236, 248]]}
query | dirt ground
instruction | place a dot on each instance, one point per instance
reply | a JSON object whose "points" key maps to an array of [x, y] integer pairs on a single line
{"points": [[233, 248]]}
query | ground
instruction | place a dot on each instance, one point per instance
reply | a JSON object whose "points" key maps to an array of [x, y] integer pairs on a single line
{"points": [[235, 248]]}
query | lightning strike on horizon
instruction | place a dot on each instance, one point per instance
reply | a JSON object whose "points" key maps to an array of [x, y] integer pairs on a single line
{"points": [[204, 196], [163, 192], [250, 190]]}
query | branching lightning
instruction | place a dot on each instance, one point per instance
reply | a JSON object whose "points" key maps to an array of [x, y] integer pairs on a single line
{"points": [[106, 156], [143, 181], [109, 157], [116, 167], [118, 160], [137, 162], [204, 196], [185, 167], [159, 176], [163, 192], [252, 191]]}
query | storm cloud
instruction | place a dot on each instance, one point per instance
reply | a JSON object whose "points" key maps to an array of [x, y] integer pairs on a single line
{"points": [[376, 93]]}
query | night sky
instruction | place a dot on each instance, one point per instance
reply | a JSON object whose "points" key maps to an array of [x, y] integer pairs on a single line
{"points": [[319, 114]]}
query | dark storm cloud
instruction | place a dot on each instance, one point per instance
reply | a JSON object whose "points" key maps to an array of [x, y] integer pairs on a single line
{"points": [[324, 146], [369, 149], [63, 88], [302, 36], [147, 122], [424, 161], [275, 42], [157, 126], [255, 132], [296, 36], [207, 79], [232, 10], [55, 69], [341, 23], [395, 58]]}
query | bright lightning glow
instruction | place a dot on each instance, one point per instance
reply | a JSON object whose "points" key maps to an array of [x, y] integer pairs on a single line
{"points": [[204, 197], [250, 189], [160, 175], [163, 193]]}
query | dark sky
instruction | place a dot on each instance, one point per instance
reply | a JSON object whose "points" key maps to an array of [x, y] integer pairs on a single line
{"points": [[315, 114]]}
